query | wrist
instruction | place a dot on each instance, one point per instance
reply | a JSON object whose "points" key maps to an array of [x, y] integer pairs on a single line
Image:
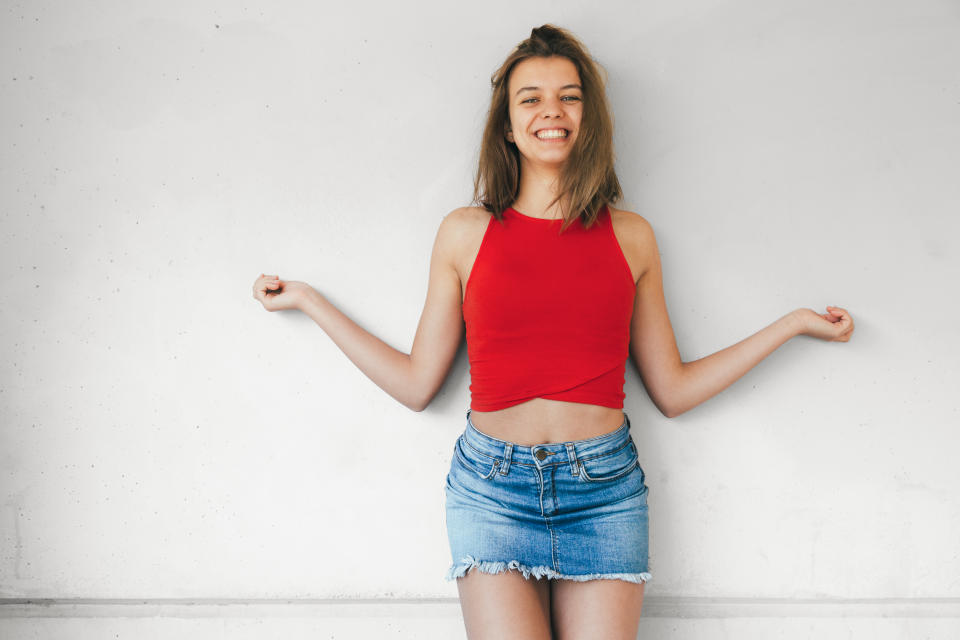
{"points": [[309, 300], [795, 322]]}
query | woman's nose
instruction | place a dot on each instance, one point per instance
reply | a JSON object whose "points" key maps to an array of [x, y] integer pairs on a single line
{"points": [[552, 109]]}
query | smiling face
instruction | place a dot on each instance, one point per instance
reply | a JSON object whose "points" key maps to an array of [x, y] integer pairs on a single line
{"points": [[546, 107]]}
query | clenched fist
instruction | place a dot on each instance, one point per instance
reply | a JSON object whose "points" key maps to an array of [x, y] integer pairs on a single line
{"points": [[276, 294], [835, 326]]}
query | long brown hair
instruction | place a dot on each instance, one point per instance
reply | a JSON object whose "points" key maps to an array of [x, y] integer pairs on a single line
{"points": [[588, 178]]}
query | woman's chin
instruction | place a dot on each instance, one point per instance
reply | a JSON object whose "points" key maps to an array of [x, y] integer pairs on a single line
{"points": [[546, 161]]}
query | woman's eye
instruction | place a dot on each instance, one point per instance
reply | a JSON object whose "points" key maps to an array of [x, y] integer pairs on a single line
{"points": [[564, 98]]}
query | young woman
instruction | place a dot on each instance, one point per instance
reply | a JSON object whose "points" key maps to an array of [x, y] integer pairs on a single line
{"points": [[546, 500]]}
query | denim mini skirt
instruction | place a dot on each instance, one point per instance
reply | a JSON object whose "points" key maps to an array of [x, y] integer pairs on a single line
{"points": [[570, 510]]}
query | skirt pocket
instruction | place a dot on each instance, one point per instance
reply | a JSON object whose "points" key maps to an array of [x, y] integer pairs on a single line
{"points": [[474, 461], [610, 466]]}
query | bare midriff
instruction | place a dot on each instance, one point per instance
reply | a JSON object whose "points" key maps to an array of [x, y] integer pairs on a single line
{"points": [[542, 421]]}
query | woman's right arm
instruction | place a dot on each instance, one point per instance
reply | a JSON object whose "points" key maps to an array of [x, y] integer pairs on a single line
{"points": [[412, 379]]}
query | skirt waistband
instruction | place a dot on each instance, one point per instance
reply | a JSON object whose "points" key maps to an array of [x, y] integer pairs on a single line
{"points": [[546, 455]]}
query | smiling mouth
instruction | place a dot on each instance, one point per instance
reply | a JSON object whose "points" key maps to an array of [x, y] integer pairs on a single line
{"points": [[552, 134]]}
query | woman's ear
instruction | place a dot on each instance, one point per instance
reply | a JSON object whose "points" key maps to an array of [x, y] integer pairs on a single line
{"points": [[509, 134]]}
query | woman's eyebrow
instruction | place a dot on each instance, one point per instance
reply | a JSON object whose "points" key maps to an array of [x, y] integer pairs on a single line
{"points": [[566, 86]]}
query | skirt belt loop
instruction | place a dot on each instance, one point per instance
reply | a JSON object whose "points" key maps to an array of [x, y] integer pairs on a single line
{"points": [[574, 463], [507, 457]]}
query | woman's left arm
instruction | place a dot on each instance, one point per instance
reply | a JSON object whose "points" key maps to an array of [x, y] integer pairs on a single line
{"points": [[675, 386]]}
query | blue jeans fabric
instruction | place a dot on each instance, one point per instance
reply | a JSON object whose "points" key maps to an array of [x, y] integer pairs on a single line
{"points": [[572, 510]]}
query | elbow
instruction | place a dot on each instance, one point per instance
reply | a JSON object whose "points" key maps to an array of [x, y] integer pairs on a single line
{"points": [[417, 406], [670, 407], [671, 412], [419, 403], [415, 396], [671, 397]]}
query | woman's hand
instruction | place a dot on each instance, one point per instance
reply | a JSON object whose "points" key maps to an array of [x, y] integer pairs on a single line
{"points": [[835, 326], [277, 294]]}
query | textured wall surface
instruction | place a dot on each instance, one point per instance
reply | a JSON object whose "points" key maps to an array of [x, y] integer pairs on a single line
{"points": [[167, 444]]}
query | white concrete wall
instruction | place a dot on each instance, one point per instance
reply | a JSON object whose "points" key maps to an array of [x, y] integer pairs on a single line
{"points": [[176, 462]]}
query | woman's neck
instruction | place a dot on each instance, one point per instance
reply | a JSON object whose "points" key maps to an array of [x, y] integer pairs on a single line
{"points": [[538, 188]]}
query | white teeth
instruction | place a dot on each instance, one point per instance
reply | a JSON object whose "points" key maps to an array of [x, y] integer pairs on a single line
{"points": [[552, 133]]}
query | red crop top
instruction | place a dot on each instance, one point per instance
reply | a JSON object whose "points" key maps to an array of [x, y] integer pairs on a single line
{"points": [[548, 315]]}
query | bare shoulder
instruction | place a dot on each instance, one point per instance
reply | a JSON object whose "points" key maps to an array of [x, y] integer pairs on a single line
{"points": [[636, 238], [463, 218], [459, 237], [462, 228], [631, 223]]}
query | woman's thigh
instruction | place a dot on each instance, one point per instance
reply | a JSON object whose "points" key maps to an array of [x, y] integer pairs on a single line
{"points": [[504, 606], [608, 609]]}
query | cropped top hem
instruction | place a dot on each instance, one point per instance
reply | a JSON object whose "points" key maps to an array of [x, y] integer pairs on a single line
{"points": [[613, 404], [603, 389]]}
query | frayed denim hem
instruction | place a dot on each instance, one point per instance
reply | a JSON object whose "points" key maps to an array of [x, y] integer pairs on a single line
{"points": [[469, 562]]}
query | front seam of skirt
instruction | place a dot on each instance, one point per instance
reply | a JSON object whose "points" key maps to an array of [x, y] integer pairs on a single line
{"points": [[555, 543]]}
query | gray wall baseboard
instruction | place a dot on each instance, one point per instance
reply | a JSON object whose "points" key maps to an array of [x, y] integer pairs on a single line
{"points": [[654, 607]]}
